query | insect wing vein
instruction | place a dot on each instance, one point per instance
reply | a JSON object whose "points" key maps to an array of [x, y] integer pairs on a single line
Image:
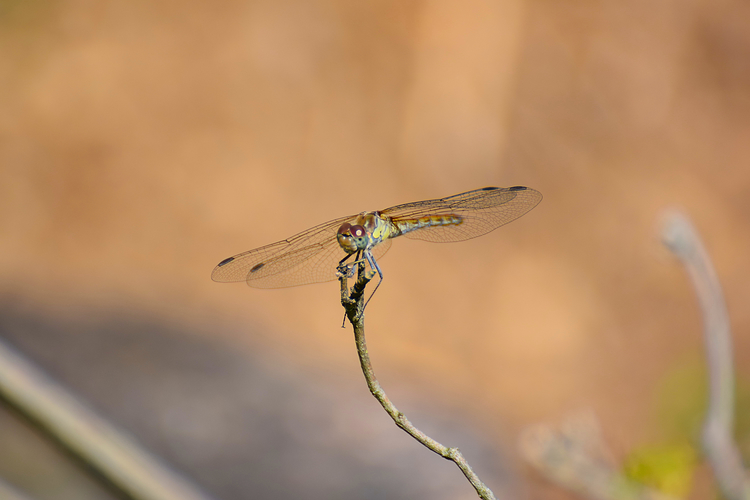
{"points": [[286, 254], [481, 211]]}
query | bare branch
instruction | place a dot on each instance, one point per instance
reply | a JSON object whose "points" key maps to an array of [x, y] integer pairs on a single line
{"points": [[50, 407], [681, 238], [353, 303]]}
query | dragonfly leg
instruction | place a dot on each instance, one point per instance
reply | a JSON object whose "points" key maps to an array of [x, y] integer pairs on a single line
{"points": [[348, 267], [348, 271], [373, 265], [370, 260]]}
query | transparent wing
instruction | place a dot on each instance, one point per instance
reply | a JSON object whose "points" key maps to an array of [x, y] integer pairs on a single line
{"points": [[481, 211], [312, 255], [308, 257]]}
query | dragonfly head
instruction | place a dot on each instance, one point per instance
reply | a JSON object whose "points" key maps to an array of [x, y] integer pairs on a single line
{"points": [[352, 238]]}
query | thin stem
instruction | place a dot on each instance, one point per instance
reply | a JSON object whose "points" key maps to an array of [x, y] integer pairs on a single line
{"points": [[353, 302], [125, 466], [682, 239]]}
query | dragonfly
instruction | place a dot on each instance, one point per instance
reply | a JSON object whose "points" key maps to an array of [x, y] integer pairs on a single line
{"points": [[315, 255]]}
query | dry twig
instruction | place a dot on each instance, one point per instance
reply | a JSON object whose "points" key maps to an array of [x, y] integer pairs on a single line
{"points": [[680, 237], [353, 302], [125, 466]]}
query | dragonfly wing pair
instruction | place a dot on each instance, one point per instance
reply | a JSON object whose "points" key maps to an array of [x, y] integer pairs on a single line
{"points": [[312, 255]]}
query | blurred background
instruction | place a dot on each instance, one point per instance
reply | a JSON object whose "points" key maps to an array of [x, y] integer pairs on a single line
{"points": [[143, 142]]}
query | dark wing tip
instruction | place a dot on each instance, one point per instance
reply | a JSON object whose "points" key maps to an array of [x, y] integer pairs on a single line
{"points": [[225, 261], [217, 273], [514, 188]]}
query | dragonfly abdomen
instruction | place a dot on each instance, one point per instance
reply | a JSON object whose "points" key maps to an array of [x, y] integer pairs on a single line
{"points": [[409, 225]]}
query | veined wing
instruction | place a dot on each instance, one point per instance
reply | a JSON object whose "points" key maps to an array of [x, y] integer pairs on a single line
{"points": [[308, 257], [479, 211]]}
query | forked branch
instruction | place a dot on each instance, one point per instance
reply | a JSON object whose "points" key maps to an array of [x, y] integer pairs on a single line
{"points": [[353, 302]]}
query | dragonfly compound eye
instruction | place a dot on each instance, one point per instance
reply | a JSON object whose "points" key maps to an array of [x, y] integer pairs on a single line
{"points": [[344, 237], [357, 231]]}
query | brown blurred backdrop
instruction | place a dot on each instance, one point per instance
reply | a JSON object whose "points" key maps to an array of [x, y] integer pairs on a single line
{"points": [[143, 142]]}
